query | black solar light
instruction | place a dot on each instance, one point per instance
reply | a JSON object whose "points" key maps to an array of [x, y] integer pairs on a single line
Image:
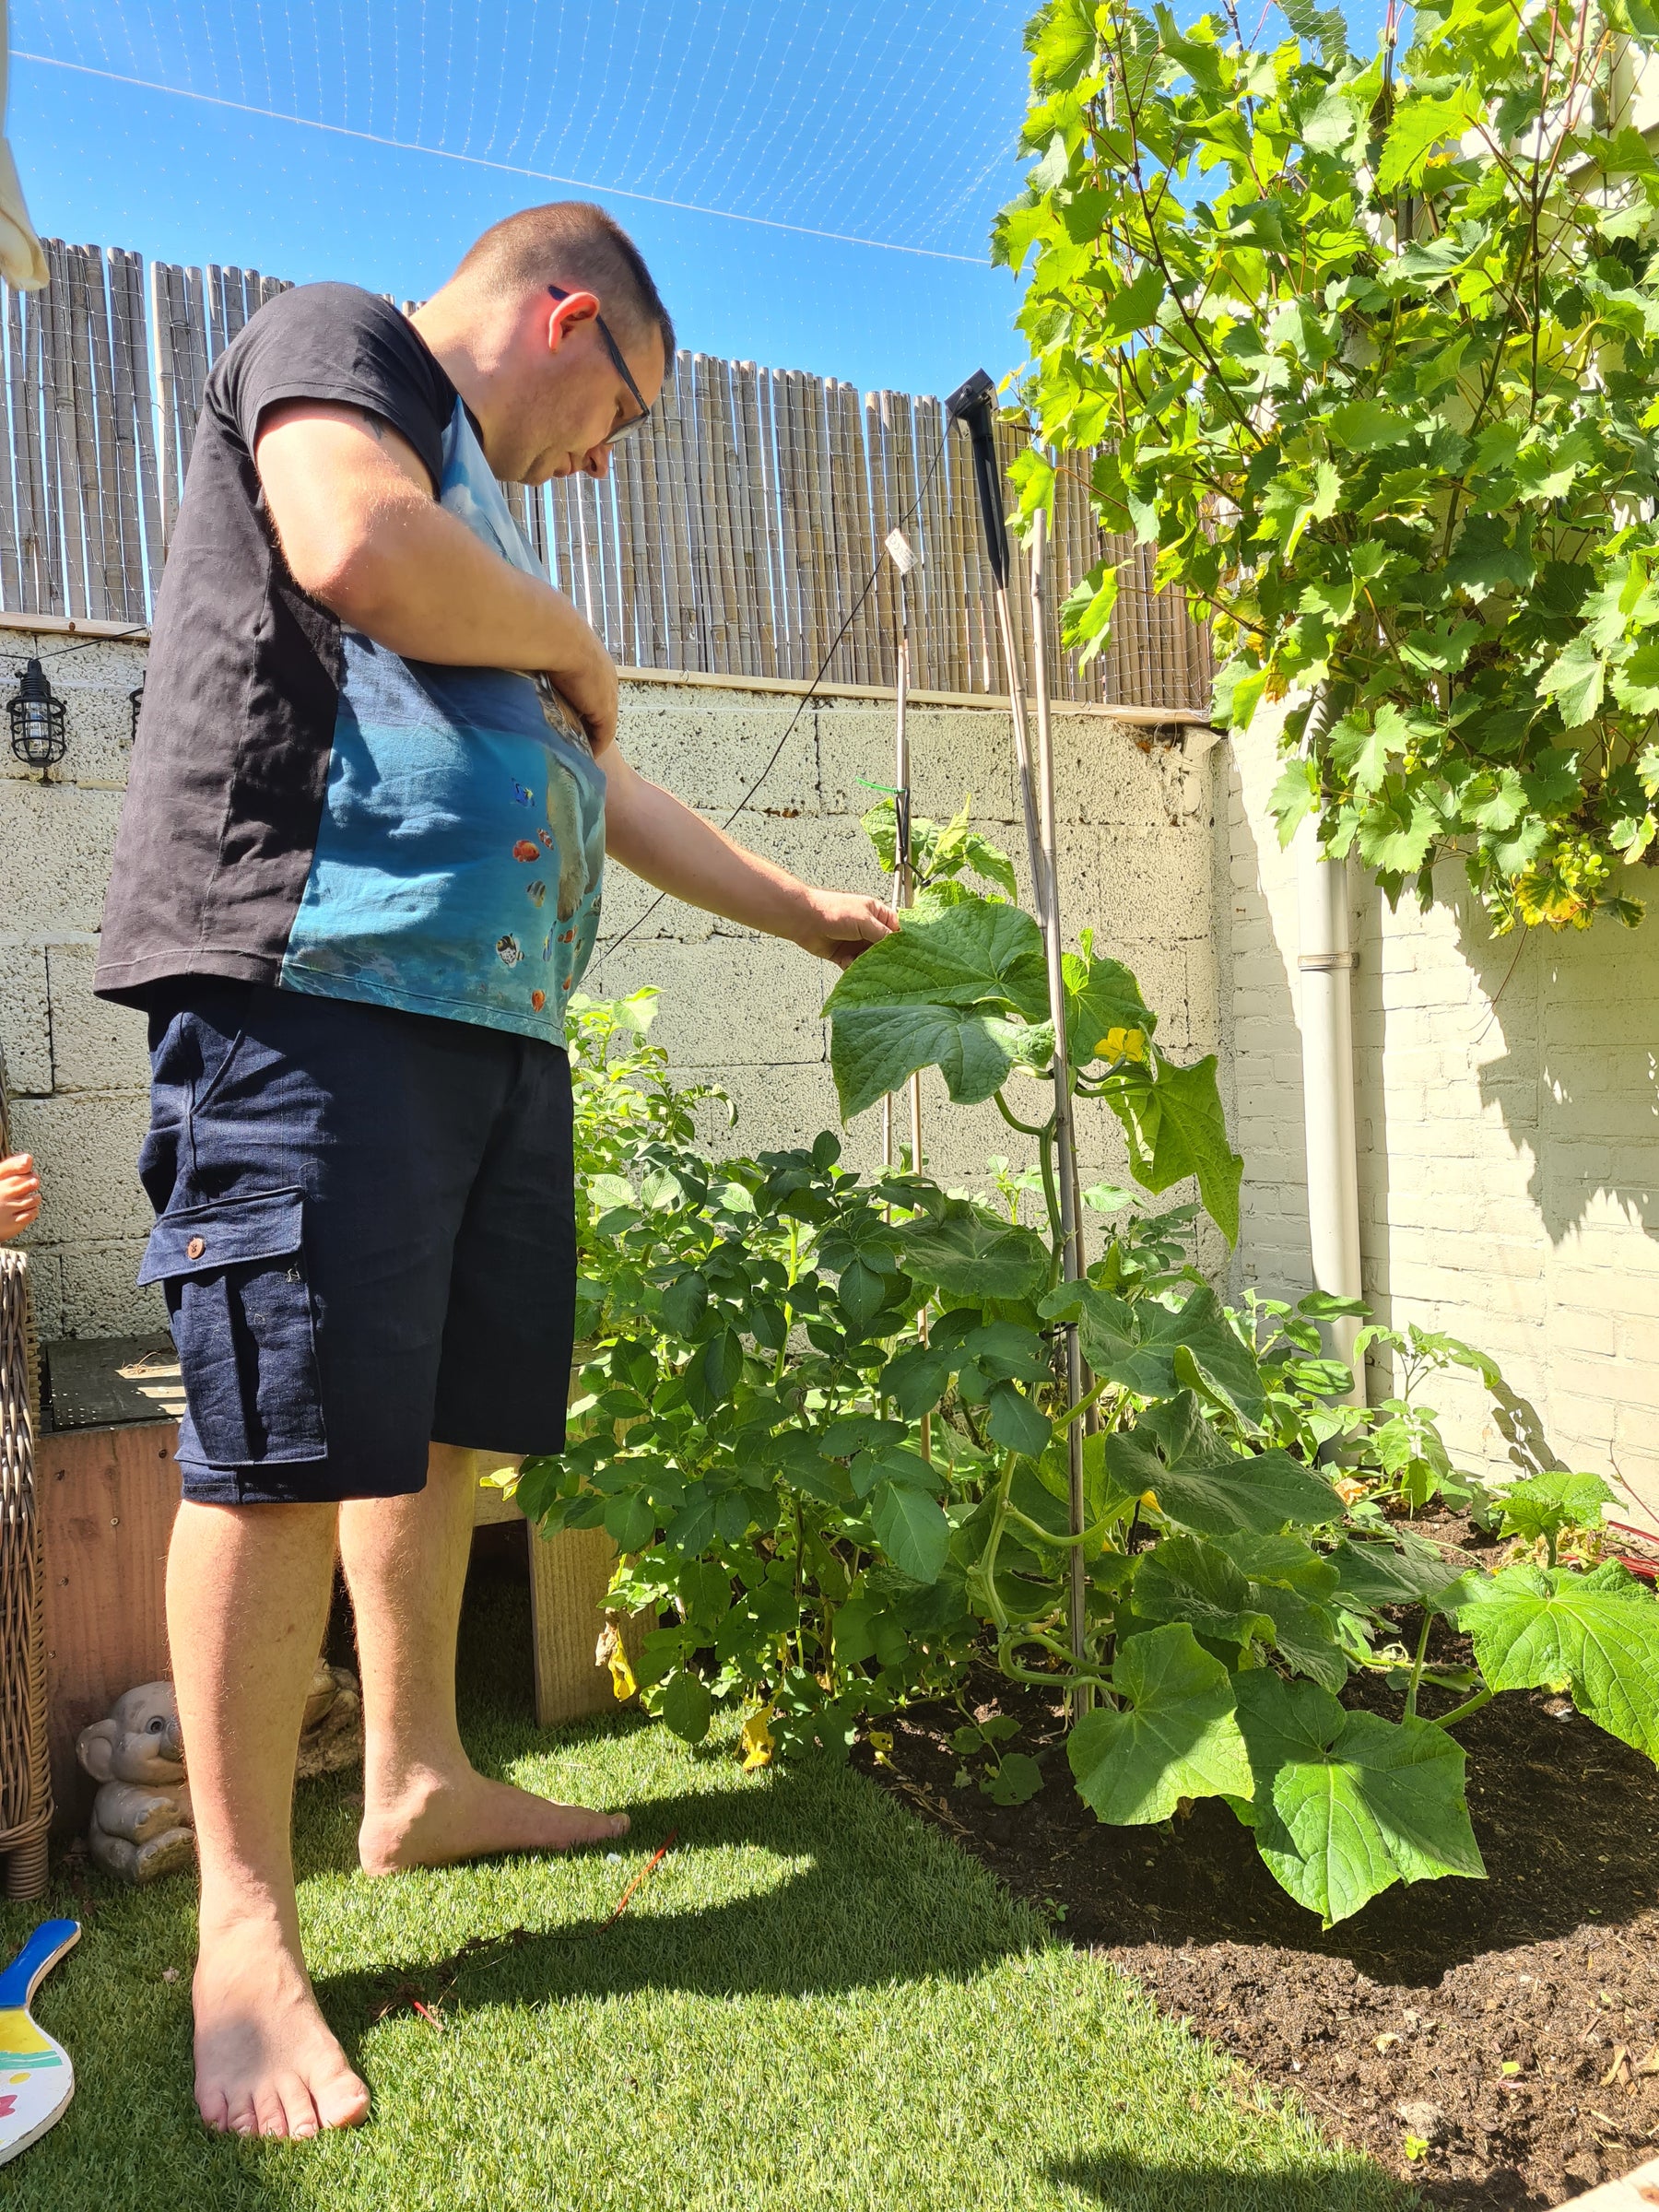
{"points": [[135, 701], [37, 737]]}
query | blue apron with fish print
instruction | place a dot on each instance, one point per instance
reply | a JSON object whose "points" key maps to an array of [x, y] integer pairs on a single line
{"points": [[459, 860]]}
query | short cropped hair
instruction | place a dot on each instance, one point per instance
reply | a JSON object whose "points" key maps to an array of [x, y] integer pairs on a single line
{"points": [[579, 247]]}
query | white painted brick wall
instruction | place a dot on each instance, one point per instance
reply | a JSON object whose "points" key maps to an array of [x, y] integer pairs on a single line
{"points": [[1507, 1097], [737, 1009]]}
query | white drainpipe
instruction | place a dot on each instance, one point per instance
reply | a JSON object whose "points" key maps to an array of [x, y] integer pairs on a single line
{"points": [[1327, 965]]}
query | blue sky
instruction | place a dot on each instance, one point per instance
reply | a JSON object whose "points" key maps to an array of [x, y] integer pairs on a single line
{"points": [[835, 165]]}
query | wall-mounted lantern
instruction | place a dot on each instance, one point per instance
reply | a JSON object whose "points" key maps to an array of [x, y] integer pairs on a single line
{"points": [[38, 735]]}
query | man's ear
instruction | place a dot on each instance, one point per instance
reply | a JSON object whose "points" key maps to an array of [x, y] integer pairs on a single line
{"points": [[95, 1749], [570, 313]]}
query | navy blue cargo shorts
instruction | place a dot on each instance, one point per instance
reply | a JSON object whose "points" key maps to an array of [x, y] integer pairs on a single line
{"points": [[365, 1235]]}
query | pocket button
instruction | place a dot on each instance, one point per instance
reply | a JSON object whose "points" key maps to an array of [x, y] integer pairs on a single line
{"points": [[196, 1248]]}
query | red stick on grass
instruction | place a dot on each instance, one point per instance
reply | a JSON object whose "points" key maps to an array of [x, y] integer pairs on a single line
{"points": [[649, 1867]]}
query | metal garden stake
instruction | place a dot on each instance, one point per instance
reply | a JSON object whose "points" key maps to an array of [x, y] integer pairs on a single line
{"points": [[971, 404]]}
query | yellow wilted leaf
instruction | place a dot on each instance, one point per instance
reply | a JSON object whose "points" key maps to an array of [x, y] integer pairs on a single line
{"points": [[880, 1741], [1349, 1491], [610, 1651], [757, 1741]]}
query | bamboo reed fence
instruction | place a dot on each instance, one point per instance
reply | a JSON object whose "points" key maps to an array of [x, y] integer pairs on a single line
{"points": [[735, 535]]}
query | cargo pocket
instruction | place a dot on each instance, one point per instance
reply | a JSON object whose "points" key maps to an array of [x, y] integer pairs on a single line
{"points": [[241, 1308]]}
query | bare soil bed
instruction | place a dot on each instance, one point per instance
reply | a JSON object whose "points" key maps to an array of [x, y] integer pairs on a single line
{"points": [[1496, 2042]]}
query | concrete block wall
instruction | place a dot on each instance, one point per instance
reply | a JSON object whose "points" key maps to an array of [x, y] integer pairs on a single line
{"points": [[1137, 845], [1507, 1099]]}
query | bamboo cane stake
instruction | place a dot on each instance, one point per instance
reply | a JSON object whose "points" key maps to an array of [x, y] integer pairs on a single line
{"points": [[138, 368], [41, 451], [103, 437], [31, 567], [11, 570], [64, 471]]}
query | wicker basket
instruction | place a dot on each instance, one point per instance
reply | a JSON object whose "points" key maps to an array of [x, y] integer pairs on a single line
{"points": [[25, 1773]]}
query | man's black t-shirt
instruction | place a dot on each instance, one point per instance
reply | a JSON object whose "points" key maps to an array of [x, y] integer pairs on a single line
{"points": [[244, 681], [307, 808]]}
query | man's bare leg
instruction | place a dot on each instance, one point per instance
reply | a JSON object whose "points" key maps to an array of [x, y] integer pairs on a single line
{"points": [[423, 1805], [247, 1598]]}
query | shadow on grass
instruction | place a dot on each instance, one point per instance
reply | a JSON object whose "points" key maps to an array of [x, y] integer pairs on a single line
{"points": [[835, 1904], [1146, 2184]]}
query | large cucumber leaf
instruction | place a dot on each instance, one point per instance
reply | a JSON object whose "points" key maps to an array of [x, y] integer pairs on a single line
{"points": [[971, 1253], [1106, 1018], [1175, 1736], [1173, 1118], [1346, 1803], [963, 988], [1304, 1633], [1185, 1579], [1136, 1343], [1197, 1482], [1283, 1562], [1594, 1635], [1406, 1571]]}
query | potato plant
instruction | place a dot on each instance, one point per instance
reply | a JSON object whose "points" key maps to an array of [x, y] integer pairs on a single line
{"points": [[823, 1415]]}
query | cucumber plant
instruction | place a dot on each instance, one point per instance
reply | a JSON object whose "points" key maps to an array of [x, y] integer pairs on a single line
{"points": [[824, 1417]]}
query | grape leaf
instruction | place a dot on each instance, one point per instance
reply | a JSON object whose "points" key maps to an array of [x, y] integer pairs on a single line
{"points": [[1176, 1737], [1594, 1635], [1348, 1804]]}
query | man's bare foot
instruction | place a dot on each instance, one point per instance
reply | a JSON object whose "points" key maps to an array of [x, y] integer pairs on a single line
{"points": [[435, 1820], [267, 2063]]}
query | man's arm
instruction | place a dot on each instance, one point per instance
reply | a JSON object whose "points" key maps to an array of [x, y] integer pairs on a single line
{"points": [[354, 514], [653, 834]]}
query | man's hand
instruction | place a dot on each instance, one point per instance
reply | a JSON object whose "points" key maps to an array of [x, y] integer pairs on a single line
{"points": [[843, 924], [355, 515]]}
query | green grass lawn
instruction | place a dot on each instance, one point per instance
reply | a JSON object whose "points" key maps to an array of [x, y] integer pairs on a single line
{"points": [[816, 2001]]}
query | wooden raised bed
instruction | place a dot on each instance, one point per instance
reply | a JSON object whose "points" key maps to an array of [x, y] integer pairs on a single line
{"points": [[108, 1489]]}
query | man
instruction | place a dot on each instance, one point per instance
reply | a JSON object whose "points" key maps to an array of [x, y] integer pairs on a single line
{"points": [[357, 873]]}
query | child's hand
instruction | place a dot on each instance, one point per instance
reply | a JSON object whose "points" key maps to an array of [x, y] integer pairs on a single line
{"points": [[19, 1194]]}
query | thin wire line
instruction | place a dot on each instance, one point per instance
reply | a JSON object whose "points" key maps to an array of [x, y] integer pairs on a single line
{"points": [[807, 699], [511, 169]]}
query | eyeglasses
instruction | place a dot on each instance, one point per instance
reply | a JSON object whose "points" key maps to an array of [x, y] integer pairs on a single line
{"points": [[623, 429]]}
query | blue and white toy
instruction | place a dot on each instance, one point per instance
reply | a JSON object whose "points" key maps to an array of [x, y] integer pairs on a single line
{"points": [[36, 2078]]}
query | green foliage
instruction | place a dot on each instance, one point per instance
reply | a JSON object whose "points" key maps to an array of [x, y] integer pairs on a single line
{"points": [[825, 1418], [1539, 1509], [1368, 348], [1595, 1636], [1348, 1802]]}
